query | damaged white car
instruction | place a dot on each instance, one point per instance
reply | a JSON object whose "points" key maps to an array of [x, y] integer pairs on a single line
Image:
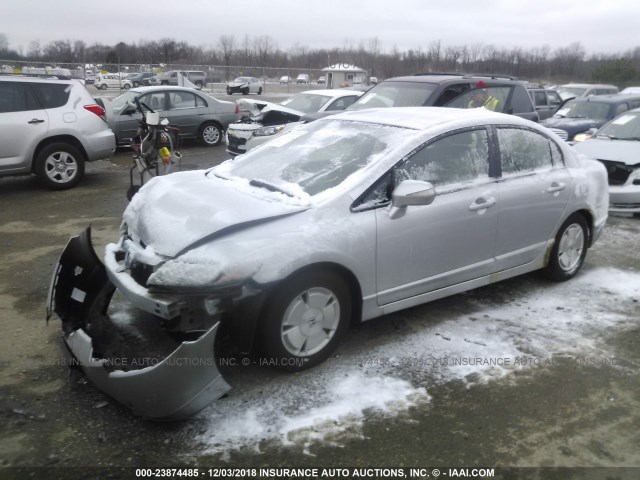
{"points": [[265, 121], [341, 220]]}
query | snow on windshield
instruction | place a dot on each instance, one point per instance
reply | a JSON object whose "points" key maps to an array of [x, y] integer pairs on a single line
{"points": [[317, 157]]}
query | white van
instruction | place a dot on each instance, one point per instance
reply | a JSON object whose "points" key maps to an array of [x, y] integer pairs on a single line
{"points": [[111, 80]]}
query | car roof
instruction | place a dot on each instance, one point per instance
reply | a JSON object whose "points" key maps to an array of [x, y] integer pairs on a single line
{"points": [[610, 98], [159, 88], [588, 85], [333, 93], [36, 78], [422, 118], [453, 77]]}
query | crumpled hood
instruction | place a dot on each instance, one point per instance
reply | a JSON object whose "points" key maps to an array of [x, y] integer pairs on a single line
{"points": [[237, 84], [170, 213], [627, 151]]}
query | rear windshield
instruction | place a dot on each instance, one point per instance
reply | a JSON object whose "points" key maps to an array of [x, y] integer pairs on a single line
{"points": [[395, 94], [52, 95]]}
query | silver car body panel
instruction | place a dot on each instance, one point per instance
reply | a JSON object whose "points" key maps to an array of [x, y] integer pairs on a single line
{"points": [[208, 230]]}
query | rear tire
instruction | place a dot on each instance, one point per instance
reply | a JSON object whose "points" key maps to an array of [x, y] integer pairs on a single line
{"points": [[210, 134], [103, 86], [569, 249], [305, 320], [59, 166], [260, 91]]}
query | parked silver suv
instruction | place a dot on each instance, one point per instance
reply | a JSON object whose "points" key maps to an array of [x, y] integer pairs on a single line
{"points": [[50, 128]]}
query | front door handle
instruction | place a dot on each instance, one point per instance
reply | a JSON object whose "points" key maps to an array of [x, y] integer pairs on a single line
{"points": [[556, 187], [482, 203], [35, 121]]}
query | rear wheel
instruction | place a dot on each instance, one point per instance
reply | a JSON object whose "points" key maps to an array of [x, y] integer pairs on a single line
{"points": [[59, 166], [210, 134], [126, 86], [260, 91], [199, 83], [103, 86], [569, 250], [305, 320]]}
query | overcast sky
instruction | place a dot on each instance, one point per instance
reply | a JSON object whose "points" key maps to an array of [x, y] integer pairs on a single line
{"points": [[600, 26]]}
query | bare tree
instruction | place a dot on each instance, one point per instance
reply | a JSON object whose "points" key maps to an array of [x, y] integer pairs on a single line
{"points": [[226, 44]]}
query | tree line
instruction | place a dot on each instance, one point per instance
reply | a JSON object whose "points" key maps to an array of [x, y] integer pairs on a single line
{"points": [[543, 63]]}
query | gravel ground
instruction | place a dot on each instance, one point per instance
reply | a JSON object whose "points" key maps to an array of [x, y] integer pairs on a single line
{"points": [[568, 396]]}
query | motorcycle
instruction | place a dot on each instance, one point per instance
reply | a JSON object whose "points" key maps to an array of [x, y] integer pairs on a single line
{"points": [[154, 148]]}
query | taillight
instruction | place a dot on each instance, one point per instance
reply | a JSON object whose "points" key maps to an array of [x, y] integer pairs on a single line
{"points": [[237, 109], [97, 109]]}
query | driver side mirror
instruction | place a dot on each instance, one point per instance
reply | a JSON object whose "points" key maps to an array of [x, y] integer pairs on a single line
{"points": [[411, 193]]}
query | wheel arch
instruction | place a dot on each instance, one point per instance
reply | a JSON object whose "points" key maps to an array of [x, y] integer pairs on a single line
{"points": [[245, 321], [70, 139], [588, 216]]}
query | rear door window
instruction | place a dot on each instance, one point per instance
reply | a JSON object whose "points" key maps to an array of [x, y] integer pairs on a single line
{"points": [[495, 98], [52, 95], [524, 151]]}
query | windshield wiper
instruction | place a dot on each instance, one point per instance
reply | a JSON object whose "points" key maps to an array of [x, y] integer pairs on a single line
{"points": [[576, 116], [269, 186], [606, 135]]}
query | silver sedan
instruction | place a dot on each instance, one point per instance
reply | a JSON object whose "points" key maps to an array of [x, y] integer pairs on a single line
{"points": [[344, 219], [196, 114]]}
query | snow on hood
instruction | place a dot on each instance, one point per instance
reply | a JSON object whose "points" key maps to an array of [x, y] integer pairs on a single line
{"points": [[627, 151], [172, 212]]}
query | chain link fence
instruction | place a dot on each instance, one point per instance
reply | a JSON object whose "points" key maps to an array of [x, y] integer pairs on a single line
{"points": [[213, 73]]}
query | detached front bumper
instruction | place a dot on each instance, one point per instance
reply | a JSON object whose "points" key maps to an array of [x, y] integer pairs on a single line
{"points": [[178, 386]]}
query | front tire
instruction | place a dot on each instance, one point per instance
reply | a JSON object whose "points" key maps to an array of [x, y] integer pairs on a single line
{"points": [[210, 134], [245, 91], [569, 249], [103, 86], [59, 166], [305, 319]]}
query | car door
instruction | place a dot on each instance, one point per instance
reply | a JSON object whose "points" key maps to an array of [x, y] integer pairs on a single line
{"points": [[128, 122], [534, 190], [23, 123], [186, 111], [450, 241]]}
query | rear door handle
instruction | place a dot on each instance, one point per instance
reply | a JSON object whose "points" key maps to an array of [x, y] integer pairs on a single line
{"points": [[556, 187], [35, 121], [482, 204]]}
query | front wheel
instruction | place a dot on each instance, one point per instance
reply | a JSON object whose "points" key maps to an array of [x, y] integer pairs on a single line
{"points": [[210, 134], [305, 320], [245, 91], [569, 249], [103, 86], [59, 166], [229, 91], [126, 86]]}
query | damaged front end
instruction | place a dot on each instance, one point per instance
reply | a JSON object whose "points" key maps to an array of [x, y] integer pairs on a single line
{"points": [[171, 385]]}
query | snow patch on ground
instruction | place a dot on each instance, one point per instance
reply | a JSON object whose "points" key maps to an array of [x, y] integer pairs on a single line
{"points": [[387, 375]]}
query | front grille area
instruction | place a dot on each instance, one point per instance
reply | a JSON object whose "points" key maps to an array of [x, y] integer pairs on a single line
{"points": [[234, 143], [618, 172], [141, 272]]}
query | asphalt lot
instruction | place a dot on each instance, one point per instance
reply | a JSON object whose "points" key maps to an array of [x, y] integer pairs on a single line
{"points": [[567, 396]]}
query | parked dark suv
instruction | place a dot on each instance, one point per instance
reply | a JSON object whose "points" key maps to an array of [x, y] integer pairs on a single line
{"points": [[578, 118], [501, 94]]}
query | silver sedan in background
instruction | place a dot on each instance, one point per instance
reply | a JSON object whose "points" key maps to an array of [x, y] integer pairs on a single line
{"points": [[341, 220], [196, 114]]}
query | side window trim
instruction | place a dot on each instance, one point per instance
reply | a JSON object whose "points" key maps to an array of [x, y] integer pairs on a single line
{"points": [[390, 174]]}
